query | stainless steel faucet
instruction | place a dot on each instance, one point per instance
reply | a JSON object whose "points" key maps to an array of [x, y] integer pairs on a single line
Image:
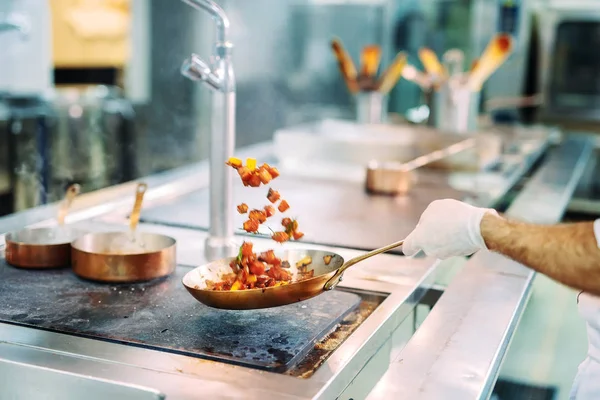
{"points": [[220, 77]]}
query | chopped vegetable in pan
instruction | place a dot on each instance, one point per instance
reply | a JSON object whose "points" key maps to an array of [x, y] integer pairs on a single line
{"points": [[252, 271]]}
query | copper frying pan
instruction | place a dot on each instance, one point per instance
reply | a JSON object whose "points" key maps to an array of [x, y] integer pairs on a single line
{"points": [[44, 247], [326, 277]]}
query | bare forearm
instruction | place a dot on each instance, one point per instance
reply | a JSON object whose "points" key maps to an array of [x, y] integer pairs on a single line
{"points": [[567, 253]]}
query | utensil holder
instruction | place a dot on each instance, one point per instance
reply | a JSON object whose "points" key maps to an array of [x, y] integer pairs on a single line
{"points": [[454, 108], [371, 108]]}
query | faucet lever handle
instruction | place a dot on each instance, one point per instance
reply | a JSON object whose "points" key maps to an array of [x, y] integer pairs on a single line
{"points": [[196, 69]]}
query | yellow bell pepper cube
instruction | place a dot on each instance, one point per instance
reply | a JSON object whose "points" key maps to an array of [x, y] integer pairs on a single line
{"points": [[251, 278], [237, 285], [251, 163], [235, 162]]}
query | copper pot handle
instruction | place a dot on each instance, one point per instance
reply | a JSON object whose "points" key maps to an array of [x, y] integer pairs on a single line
{"points": [[134, 218], [70, 194]]}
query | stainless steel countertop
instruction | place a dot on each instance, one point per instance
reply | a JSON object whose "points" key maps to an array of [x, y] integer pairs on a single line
{"points": [[184, 377], [454, 355], [181, 377]]}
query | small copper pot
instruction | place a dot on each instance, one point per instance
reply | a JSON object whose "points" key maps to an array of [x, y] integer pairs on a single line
{"points": [[40, 248], [114, 257]]}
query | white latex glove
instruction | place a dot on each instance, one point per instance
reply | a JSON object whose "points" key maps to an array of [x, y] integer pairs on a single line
{"points": [[447, 228]]}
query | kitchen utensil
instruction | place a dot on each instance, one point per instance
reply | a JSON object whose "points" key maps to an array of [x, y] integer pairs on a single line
{"points": [[432, 63], [370, 58], [44, 247], [392, 74], [410, 73], [326, 277], [346, 66], [124, 256], [453, 61], [493, 56], [398, 178]]}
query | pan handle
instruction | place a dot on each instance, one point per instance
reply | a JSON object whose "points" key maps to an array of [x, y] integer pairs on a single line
{"points": [[72, 191], [335, 279], [134, 218]]}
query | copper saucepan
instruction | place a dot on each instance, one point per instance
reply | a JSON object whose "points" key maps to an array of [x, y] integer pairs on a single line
{"points": [[124, 256], [44, 247], [328, 270]]}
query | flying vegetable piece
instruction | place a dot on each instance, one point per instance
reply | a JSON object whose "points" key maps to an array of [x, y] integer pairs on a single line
{"points": [[280, 237], [286, 222], [264, 175], [245, 174], [273, 171], [246, 249], [254, 181], [269, 257], [242, 208], [251, 226], [283, 206], [269, 211], [273, 195], [251, 163], [297, 235], [234, 162], [258, 215]]}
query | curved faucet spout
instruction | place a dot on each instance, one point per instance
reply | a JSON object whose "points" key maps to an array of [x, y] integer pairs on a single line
{"points": [[217, 13]]}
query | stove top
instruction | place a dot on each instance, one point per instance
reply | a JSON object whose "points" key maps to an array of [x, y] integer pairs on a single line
{"points": [[163, 316]]}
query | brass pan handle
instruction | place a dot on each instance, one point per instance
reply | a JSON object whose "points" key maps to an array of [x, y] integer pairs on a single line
{"points": [[72, 191], [134, 218], [335, 279]]}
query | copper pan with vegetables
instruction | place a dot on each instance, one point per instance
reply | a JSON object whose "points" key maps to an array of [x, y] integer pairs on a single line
{"points": [[268, 278]]}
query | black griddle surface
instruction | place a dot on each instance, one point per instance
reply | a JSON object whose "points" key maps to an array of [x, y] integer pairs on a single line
{"points": [[162, 315]]}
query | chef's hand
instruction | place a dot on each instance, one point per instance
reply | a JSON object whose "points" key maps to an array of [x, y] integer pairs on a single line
{"points": [[447, 228]]}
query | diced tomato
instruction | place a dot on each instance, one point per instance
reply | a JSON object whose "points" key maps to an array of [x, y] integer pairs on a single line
{"points": [[245, 174], [279, 274], [297, 235], [280, 237], [257, 268], [273, 195], [286, 222], [251, 226], [247, 249], [269, 211], [242, 208], [283, 206], [274, 172], [254, 181], [264, 175], [258, 215]]}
